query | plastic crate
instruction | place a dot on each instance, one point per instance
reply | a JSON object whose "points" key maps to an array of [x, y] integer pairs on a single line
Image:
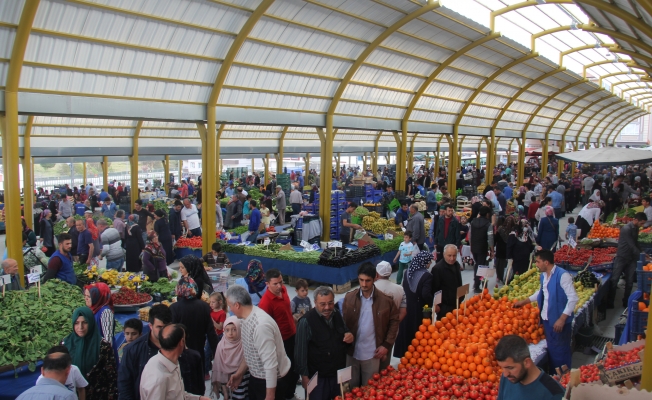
{"points": [[619, 331], [299, 223], [638, 324], [644, 280]]}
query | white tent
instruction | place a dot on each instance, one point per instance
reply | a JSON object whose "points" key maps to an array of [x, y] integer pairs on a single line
{"points": [[608, 156]]}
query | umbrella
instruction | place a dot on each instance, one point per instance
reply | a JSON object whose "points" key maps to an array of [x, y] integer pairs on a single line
{"points": [[608, 156]]}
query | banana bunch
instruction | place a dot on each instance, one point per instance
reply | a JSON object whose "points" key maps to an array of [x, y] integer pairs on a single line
{"points": [[380, 226], [374, 214], [110, 277], [367, 222]]}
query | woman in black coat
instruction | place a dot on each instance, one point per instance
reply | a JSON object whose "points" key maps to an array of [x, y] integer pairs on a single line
{"points": [[519, 247], [162, 229], [134, 244], [417, 284]]}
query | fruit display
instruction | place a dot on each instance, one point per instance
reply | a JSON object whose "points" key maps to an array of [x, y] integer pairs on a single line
{"points": [[163, 286], [647, 267], [587, 279], [599, 231], [462, 343], [194, 242], [521, 287], [126, 297], [584, 294], [31, 325], [645, 237], [373, 223], [421, 205], [420, 383], [360, 212], [588, 373], [567, 254], [617, 358], [343, 257], [125, 279]]}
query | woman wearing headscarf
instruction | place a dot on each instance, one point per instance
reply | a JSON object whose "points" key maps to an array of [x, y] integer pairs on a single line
{"points": [[490, 195], [228, 357], [98, 299], [476, 205], [153, 258], [162, 229], [417, 284], [587, 217], [254, 281], [595, 196], [92, 355], [95, 235], [548, 232], [193, 267], [519, 247], [134, 244], [503, 228], [31, 236], [47, 232], [195, 314]]}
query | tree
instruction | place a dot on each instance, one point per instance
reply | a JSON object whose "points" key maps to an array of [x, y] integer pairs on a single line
{"points": [[47, 166]]}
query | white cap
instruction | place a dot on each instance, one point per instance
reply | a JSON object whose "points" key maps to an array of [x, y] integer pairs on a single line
{"points": [[384, 268]]}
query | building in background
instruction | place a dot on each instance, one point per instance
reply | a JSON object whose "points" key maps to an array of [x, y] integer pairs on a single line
{"points": [[637, 133]]}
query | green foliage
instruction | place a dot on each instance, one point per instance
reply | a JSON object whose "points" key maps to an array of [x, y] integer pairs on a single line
{"points": [[239, 230], [306, 257], [30, 326], [48, 166], [388, 245]]}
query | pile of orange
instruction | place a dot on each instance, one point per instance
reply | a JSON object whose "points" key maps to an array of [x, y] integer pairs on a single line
{"points": [[464, 346], [603, 232]]}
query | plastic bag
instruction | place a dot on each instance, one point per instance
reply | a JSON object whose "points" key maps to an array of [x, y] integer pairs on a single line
{"points": [[95, 262], [394, 205]]}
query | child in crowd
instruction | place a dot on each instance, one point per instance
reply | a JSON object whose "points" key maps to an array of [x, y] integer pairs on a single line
{"points": [[404, 255], [300, 304], [75, 381], [464, 228], [132, 330], [571, 229], [228, 356], [246, 207], [218, 312]]}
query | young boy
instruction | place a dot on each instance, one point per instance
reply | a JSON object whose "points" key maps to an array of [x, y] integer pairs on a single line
{"points": [[404, 255], [571, 229], [300, 304], [132, 330], [75, 381]]}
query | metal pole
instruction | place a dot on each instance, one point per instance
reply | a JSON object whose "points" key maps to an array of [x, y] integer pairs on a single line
{"points": [[28, 173]]}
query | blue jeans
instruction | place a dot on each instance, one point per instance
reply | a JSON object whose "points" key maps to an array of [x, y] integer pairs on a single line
{"points": [[252, 238], [117, 264]]}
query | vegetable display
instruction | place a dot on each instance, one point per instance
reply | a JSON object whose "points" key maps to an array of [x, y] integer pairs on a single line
{"points": [[360, 212], [260, 250], [161, 205], [599, 231], [306, 257], [386, 246], [163, 286], [231, 248], [194, 242], [125, 297], [375, 224], [239, 230], [343, 257], [577, 257], [30, 326]]}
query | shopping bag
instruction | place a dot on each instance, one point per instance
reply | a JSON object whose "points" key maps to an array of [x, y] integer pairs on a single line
{"points": [[394, 205], [244, 236]]}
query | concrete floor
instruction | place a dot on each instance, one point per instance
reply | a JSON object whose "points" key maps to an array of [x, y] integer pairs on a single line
{"points": [[604, 328]]}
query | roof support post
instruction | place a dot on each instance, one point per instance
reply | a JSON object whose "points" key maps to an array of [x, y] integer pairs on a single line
{"points": [[401, 155], [427, 159], [491, 155], [452, 160], [521, 159], [279, 164], [560, 163], [210, 157], [410, 167], [544, 153], [322, 161], [84, 174], [477, 155], [266, 162], [339, 164], [437, 155], [374, 166], [180, 165], [327, 180], [166, 174], [134, 166], [105, 177], [305, 173], [28, 178], [10, 144]]}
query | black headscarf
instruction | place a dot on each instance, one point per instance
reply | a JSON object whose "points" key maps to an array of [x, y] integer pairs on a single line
{"points": [[196, 271]]}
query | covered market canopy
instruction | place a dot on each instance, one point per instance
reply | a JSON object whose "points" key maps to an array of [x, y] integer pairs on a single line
{"points": [[608, 156]]}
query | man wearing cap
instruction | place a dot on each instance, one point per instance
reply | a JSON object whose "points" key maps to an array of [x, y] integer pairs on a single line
{"points": [[391, 289]]}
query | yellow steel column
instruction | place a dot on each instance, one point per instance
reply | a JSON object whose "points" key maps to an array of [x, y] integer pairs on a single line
{"points": [[266, 179], [560, 163], [374, 158], [84, 174], [166, 173], [339, 163], [105, 176], [325, 191], [401, 155], [307, 169], [201, 128], [521, 159], [452, 160], [218, 160], [10, 145], [210, 151], [28, 178], [180, 165], [279, 163], [544, 151], [253, 165], [134, 166]]}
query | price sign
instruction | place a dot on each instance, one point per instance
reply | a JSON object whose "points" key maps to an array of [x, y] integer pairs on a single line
{"points": [[266, 242], [463, 290], [343, 375], [33, 278], [334, 244], [228, 236], [304, 244], [572, 243], [389, 236], [312, 384], [437, 299], [6, 279], [37, 269], [315, 247], [485, 271]]}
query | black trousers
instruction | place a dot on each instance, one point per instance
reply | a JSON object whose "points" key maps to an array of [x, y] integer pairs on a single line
{"points": [[291, 377], [629, 269], [258, 388]]}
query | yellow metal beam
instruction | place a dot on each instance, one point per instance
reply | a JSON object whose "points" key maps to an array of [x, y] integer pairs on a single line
{"points": [[613, 116], [628, 81], [580, 113], [620, 13], [598, 63], [569, 105], [513, 7], [84, 174], [28, 177], [620, 120], [602, 77], [10, 145], [279, 164], [616, 35], [134, 166], [550, 98], [588, 138], [574, 50], [374, 166], [105, 178], [538, 35], [166, 173], [620, 50]]}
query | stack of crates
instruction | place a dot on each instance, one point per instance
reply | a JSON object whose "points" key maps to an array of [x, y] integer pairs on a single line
{"points": [[368, 193], [338, 207], [312, 208], [639, 319]]}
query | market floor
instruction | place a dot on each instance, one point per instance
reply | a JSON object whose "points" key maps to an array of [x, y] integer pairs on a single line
{"points": [[604, 328]]}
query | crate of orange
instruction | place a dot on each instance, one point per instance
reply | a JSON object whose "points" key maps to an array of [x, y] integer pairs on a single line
{"points": [[600, 231], [644, 278], [462, 343]]}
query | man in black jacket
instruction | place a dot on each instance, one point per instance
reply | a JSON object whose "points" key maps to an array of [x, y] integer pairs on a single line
{"points": [[446, 276], [322, 340], [626, 257], [482, 241], [137, 353], [448, 230], [175, 220]]}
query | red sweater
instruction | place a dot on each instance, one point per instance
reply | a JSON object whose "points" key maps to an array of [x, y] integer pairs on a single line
{"points": [[532, 210], [280, 310]]}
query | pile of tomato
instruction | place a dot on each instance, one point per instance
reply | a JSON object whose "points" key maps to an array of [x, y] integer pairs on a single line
{"points": [[420, 383], [464, 346], [588, 373], [618, 358], [603, 232], [576, 256], [194, 242], [126, 296]]}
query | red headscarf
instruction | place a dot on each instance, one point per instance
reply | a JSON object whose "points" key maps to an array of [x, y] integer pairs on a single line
{"points": [[100, 296], [90, 225]]}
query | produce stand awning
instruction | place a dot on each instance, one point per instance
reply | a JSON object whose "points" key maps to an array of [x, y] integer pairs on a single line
{"points": [[608, 156]]}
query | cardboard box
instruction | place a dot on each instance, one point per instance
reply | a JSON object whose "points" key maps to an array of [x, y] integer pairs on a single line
{"points": [[595, 391], [620, 374]]}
